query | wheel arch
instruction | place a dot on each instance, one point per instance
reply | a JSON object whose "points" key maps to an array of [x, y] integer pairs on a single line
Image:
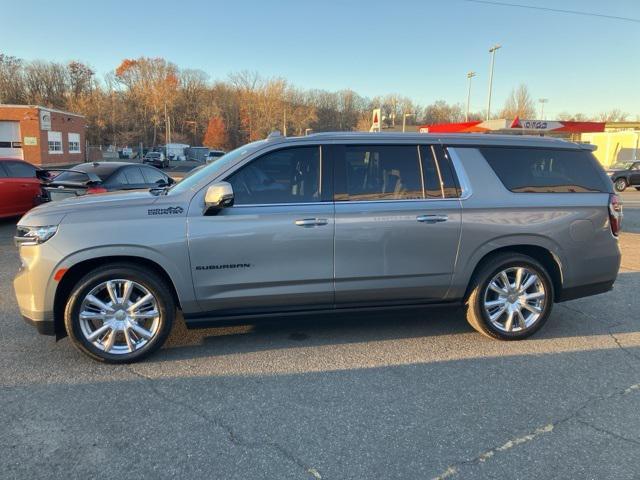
{"points": [[74, 273], [544, 256]]}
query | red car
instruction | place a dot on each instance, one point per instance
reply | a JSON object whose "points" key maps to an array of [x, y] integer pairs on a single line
{"points": [[20, 187]]}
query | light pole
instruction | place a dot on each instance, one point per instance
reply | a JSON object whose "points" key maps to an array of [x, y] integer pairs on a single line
{"points": [[470, 75], [404, 119], [492, 51], [542, 102]]}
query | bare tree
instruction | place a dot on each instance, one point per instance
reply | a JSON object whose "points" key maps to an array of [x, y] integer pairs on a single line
{"points": [[519, 104], [442, 112], [614, 115]]}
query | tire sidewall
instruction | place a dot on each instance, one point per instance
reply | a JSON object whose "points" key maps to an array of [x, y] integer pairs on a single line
{"points": [[163, 297], [623, 182], [488, 275]]}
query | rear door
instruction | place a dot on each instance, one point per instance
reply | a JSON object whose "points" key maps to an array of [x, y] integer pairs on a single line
{"points": [[397, 228], [7, 193], [273, 249], [22, 182]]}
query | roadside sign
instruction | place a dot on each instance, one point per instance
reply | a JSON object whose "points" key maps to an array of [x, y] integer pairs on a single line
{"points": [[375, 120]]}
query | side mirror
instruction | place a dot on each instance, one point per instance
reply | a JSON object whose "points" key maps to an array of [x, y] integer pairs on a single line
{"points": [[218, 196]]}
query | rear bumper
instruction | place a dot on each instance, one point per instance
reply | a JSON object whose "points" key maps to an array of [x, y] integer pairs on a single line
{"points": [[584, 291]]}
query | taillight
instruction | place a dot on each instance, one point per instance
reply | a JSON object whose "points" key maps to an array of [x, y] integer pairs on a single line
{"points": [[615, 214], [96, 190]]}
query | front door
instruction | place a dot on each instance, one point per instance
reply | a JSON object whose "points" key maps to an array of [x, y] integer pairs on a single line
{"points": [[274, 248], [397, 225]]}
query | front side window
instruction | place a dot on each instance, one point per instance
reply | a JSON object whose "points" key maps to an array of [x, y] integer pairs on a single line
{"points": [[152, 175], [55, 142], [545, 170], [290, 175], [379, 172]]}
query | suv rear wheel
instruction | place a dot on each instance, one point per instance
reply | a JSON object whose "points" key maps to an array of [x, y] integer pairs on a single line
{"points": [[119, 313], [620, 184], [511, 297]]}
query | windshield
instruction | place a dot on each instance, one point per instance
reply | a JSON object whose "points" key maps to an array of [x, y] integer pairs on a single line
{"points": [[220, 165]]}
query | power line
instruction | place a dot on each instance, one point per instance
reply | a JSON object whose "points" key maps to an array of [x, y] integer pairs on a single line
{"points": [[555, 10]]}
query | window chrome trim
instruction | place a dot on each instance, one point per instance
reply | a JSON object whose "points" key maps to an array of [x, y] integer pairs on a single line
{"points": [[434, 155], [281, 204], [465, 185]]}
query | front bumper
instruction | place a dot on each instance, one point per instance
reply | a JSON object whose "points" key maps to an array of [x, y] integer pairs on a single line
{"points": [[44, 326], [30, 287]]}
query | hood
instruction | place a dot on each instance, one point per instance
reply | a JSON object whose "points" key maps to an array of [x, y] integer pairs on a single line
{"points": [[52, 213]]}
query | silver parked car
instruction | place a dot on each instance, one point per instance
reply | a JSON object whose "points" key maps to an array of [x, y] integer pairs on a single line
{"points": [[328, 222]]}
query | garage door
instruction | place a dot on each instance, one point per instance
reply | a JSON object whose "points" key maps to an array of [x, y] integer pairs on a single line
{"points": [[10, 140]]}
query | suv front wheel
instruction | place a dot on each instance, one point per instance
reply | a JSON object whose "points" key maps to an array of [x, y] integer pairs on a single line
{"points": [[511, 297], [119, 313]]}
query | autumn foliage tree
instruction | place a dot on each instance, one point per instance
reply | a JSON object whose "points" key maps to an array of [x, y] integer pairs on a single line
{"points": [[216, 134], [127, 105]]}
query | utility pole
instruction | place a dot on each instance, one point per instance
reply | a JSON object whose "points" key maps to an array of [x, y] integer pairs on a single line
{"points": [[542, 102], [492, 51], [166, 125], [284, 122], [470, 75]]}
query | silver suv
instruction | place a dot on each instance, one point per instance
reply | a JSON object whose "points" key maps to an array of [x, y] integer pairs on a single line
{"points": [[329, 222]]}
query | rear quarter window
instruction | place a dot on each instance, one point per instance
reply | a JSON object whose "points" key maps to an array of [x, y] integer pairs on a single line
{"points": [[542, 170]]}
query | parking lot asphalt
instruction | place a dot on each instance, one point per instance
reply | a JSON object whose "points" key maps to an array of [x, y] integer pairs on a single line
{"points": [[404, 395]]}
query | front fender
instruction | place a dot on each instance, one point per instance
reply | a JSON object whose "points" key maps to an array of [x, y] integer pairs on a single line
{"points": [[177, 270]]}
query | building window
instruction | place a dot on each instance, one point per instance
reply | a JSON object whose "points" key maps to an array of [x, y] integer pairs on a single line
{"points": [[74, 143], [55, 142]]}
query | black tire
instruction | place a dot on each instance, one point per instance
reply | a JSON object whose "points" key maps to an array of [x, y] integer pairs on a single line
{"points": [[155, 285], [638, 188], [620, 184], [476, 314]]}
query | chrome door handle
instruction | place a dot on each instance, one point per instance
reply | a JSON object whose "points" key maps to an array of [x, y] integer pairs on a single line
{"points": [[432, 218], [311, 222]]}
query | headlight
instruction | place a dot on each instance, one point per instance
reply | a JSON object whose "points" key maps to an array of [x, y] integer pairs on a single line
{"points": [[34, 235]]}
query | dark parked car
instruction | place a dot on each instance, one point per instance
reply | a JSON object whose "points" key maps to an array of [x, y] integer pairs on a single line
{"points": [[625, 175], [100, 177], [157, 159], [20, 187], [214, 155]]}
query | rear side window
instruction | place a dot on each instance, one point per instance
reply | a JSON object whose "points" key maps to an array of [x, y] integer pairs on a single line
{"points": [[134, 176], [20, 170], [379, 172], [440, 181], [542, 170], [117, 179], [3, 174]]}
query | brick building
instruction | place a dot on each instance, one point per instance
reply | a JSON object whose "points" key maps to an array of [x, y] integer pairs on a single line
{"points": [[42, 136]]}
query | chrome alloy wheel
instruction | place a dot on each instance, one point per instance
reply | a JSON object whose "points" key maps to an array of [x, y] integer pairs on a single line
{"points": [[119, 316], [514, 299]]}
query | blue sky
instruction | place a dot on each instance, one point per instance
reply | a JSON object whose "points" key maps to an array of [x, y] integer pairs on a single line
{"points": [[421, 49]]}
